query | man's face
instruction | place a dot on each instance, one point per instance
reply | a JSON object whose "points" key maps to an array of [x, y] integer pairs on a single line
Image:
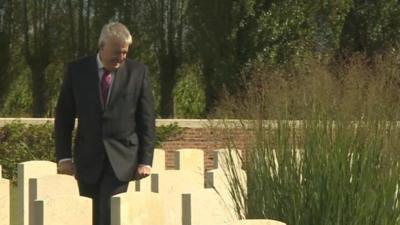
{"points": [[113, 53]]}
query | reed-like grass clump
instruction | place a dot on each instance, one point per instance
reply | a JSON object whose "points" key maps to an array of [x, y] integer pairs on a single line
{"points": [[324, 146]]}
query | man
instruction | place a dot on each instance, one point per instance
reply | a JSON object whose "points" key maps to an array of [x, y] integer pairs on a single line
{"points": [[111, 97]]}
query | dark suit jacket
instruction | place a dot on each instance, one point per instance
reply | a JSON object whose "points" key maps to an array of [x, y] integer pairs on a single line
{"points": [[124, 130]]}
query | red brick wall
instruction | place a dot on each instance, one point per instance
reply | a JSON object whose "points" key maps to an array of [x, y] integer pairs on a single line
{"points": [[202, 138]]}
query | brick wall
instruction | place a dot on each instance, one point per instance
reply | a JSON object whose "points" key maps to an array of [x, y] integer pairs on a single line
{"points": [[201, 134], [207, 139]]}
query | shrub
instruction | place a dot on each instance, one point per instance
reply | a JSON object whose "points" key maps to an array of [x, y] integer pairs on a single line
{"points": [[20, 142], [189, 96]]}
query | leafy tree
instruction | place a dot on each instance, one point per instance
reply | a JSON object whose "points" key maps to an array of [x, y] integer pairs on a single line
{"points": [[166, 21], [6, 32], [371, 27], [39, 41], [189, 93], [215, 26], [223, 38]]}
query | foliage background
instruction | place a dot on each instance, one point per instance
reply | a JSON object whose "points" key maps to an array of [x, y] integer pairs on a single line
{"points": [[197, 50]]}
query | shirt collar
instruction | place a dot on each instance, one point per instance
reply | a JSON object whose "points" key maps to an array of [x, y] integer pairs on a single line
{"points": [[100, 65]]}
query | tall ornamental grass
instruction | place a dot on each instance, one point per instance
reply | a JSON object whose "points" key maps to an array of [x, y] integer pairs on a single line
{"points": [[320, 153]]}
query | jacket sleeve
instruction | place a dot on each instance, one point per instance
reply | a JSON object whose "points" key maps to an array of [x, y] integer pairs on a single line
{"points": [[145, 121], [65, 117]]}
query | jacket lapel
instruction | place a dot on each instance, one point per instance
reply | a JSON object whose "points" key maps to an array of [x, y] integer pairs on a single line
{"points": [[117, 85], [93, 82]]}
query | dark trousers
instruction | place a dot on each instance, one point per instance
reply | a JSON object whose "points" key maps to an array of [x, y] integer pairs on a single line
{"points": [[101, 192]]}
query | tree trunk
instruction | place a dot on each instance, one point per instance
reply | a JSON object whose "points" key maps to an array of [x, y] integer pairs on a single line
{"points": [[210, 92], [168, 70], [37, 51], [5, 78], [72, 29], [81, 30], [39, 108], [88, 44]]}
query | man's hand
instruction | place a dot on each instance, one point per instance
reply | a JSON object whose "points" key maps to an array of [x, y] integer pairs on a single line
{"points": [[143, 171], [66, 167]]}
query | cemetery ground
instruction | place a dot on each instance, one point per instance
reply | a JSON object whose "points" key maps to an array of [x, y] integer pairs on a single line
{"points": [[186, 195]]}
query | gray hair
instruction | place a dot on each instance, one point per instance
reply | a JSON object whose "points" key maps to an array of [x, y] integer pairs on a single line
{"points": [[116, 30]]}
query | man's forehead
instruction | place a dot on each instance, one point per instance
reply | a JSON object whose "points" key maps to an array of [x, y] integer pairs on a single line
{"points": [[116, 43]]}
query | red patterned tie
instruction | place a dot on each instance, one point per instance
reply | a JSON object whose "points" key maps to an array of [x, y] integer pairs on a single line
{"points": [[105, 85]]}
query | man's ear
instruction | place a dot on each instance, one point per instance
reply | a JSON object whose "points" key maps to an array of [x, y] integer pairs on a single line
{"points": [[101, 46]]}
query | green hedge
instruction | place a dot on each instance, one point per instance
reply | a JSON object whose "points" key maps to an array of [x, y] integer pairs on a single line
{"points": [[20, 142]]}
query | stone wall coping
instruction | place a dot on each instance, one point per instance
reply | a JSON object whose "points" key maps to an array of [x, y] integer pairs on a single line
{"points": [[184, 123], [187, 123]]}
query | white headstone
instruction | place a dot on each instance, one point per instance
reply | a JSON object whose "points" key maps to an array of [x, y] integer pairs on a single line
{"points": [[190, 160], [158, 160], [137, 208], [50, 186], [145, 183], [205, 207], [228, 178], [27, 170], [172, 184], [227, 158], [257, 222], [142, 185], [63, 210], [176, 181], [4, 201]]}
